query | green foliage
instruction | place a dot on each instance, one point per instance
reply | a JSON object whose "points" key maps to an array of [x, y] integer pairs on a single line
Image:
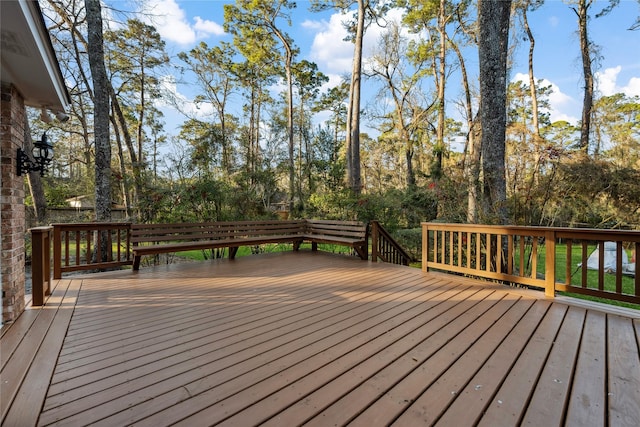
{"points": [[419, 205], [394, 208], [410, 239], [202, 200], [597, 193]]}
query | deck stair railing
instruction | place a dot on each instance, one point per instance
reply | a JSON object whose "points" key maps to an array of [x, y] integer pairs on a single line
{"points": [[555, 259], [386, 248]]}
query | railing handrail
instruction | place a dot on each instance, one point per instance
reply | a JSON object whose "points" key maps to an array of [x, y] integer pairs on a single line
{"points": [[447, 253], [634, 235], [381, 237]]}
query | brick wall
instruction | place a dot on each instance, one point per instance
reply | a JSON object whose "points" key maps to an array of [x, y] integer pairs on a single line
{"points": [[12, 212]]}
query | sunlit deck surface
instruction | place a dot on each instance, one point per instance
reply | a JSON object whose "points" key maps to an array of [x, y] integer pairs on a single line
{"points": [[319, 339]]}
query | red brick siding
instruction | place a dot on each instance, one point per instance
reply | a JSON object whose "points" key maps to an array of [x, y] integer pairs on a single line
{"points": [[12, 212]]}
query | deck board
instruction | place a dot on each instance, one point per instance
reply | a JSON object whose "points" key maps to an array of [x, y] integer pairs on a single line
{"points": [[437, 397], [509, 403], [586, 407], [624, 373], [31, 394], [549, 399], [470, 402], [24, 344], [318, 339]]}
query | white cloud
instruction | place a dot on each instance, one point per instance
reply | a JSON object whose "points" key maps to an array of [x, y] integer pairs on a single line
{"points": [[330, 50], [174, 100], [172, 24], [561, 106], [607, 83], [633, 88], [206, 27], [308, 24]]}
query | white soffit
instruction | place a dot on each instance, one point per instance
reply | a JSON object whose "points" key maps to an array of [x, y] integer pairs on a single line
{"points": [[28, 59]]}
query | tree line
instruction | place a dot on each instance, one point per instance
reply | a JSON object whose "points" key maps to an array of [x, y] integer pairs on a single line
{"points": [[273, 154]]}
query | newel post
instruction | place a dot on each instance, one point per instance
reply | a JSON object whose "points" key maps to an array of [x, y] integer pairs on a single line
{"points": [[550, 264], [40, 264]]}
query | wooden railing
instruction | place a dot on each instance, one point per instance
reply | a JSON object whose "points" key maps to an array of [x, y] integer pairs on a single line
{"points": [[90, 246], [385, 247], [536, 256]]}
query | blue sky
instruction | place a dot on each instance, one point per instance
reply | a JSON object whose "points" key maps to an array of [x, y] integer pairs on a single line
{"points": [[184, 23]]}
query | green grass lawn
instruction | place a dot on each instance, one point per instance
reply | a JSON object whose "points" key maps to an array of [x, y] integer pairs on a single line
{"points": [[200, 255]]}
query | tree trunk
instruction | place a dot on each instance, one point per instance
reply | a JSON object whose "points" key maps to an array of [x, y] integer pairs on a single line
{"points": [[532, 78], [493, 40], [135, 164], [101, 111], [585, 50], [353, 119], [292, 168], [472, 171], [123, 169], [441, 81], [472, 147]]}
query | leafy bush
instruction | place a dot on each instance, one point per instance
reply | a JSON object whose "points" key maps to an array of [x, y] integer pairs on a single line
{"points": [[411, 240]]}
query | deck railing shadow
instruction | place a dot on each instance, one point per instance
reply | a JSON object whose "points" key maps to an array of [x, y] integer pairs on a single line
{"points": [[539, 257]]}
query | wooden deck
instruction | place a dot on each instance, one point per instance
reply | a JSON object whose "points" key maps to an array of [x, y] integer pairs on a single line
{"points": [[317, 339]]}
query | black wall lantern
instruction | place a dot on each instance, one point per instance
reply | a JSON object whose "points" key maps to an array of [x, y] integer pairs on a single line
{"points": [[42, 156]]}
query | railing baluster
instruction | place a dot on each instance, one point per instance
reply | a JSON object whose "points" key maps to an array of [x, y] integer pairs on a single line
{"points": [[489, 253], [534, 259], [521, 247], [601, 267], [452, 248], [468, 250], [478, 251], [66, 248], [583, 280], [459, 249], [636, 268], [88, 257], [499, 253], [568, 262], [78, 242], [510, 255], [619, 267]]}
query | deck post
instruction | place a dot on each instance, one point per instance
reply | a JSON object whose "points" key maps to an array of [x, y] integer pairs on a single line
{"points": [[374, 241], [550, 264], [40, 264], [57, 252], [425, 245]]}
